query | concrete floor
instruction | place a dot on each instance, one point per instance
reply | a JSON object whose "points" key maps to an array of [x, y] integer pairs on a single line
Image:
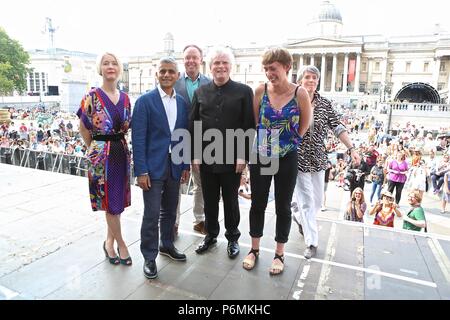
{"points": [[51, 248]]}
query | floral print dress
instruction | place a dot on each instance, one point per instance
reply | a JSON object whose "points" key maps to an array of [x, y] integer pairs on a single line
{"points": [[109, 161]]}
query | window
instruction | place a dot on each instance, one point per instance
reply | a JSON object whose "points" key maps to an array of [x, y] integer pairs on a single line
{"points": [[442, 67], [32, 81], [408, 67], [294, 66], [362, 87], [43, 81], [376, 87], [441, 85], [426, 65], [149, 72], [250, 67], [238, 68], [377, 67], [364, 66], [38, 84]]}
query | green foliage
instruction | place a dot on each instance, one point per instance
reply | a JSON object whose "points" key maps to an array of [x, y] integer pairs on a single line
{"points": [[13, 65]]}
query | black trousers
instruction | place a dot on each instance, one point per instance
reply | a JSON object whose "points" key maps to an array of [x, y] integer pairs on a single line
{"points": [[398, 189], [285, 180], [212, 185]]}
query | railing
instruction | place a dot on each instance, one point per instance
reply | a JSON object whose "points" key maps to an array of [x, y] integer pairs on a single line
{"points": [[411, 107], [48, 161], [56, 162]]}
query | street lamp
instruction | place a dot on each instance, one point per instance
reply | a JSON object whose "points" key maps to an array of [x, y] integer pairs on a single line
{"points": [[245, 75], [140, 81]]}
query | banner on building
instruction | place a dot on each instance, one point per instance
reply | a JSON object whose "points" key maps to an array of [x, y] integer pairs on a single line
{"points": [[351, 70]]}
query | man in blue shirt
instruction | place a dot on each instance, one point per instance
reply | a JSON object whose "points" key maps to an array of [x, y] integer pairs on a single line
{"points": [[189, 81]]}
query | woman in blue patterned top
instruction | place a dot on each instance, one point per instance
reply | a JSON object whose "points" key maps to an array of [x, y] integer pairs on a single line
{"points": [[283, 112]]}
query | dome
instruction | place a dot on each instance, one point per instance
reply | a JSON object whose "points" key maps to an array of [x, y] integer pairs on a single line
{"points": [[168, 36], [327, 12]]}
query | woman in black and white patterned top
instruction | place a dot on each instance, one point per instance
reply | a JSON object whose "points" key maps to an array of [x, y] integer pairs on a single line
{"points": [[312, 158]]}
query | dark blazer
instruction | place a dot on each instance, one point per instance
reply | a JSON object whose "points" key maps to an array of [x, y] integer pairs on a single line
{"points": [[151, 136], [227, 107], [180, 87]]}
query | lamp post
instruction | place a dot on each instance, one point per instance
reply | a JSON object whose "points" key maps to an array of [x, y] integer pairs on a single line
{"points": [[140, 81], [245, 75]]}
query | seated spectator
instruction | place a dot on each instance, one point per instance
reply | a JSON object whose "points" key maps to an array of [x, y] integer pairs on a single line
{"points": [[437, 178]]}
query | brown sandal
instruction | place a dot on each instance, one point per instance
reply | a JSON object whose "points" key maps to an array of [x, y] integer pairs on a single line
{"points": [[277, 267], [250, 262]]}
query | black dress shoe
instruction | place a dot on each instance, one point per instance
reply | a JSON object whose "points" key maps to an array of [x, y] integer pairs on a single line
{"points": [[205, 244], [172, 253], [150, 270], [233, 249]]}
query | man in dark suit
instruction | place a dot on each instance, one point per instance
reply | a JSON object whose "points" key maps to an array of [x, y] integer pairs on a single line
{"points": [[157, 116], [189, 81], [218, 107]]}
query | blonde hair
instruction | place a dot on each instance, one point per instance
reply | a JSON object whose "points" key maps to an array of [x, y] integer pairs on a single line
{"points": [[100, 60], [417, 195], [360, 191]]}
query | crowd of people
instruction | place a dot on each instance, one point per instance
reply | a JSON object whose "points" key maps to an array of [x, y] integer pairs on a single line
{"points": [[298, 129]]}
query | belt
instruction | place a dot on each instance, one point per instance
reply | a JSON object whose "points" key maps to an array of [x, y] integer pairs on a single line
{"points": [[109, 137]]}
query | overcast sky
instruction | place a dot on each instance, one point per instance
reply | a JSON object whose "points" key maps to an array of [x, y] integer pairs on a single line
{"points": [[137, 27]]}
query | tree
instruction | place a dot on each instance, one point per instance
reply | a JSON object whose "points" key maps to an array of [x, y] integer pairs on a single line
{"points": [[13, 65]]}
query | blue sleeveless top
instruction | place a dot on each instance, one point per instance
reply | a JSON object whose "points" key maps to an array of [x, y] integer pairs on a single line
{"points": [[277, 130]]}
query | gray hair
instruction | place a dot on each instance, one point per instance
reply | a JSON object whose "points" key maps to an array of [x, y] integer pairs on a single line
{"points": [[219, 51], [310, 69], [169, 60]]}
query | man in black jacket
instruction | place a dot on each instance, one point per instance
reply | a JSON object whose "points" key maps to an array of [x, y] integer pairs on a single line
{"points": [[218, 107]]}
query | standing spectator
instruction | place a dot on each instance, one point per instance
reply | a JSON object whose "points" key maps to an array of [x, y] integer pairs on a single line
{"points": [[417, 178], [385, 210], [189, 81], [356, 207], [156, 116], [105, 114], [397, 169], [312, 158], [69, 128], [283, 111], [377, 178], [446, 191], [415, 219]]}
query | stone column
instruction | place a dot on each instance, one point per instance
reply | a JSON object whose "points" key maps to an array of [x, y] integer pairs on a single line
{"points": [[312, 60], [300, 64], [437, 67], [323, 72], [333, 73], [344, 81], [357, 72]]}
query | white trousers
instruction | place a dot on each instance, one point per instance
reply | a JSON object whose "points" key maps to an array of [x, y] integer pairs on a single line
{"points": [[309, 192]]}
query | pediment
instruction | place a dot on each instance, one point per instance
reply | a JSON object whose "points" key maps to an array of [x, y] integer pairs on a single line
{"points": [[321, 42]]}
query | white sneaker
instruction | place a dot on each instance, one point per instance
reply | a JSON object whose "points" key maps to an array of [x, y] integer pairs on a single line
{"points": [[323, 208]]}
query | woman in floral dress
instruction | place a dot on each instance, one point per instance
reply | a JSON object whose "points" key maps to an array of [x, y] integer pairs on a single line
{"points": [[105, 114]]}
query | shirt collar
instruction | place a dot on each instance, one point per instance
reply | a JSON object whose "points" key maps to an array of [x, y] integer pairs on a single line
{"points": [[163, 94], [187, 77]]}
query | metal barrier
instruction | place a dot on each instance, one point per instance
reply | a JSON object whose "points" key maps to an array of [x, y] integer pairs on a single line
{"points": [[58, 162], [48, 161]]}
